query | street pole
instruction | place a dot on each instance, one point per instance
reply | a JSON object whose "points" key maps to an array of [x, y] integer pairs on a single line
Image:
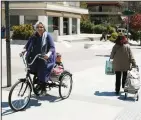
{"points": [[8, 51], [128, 22]]}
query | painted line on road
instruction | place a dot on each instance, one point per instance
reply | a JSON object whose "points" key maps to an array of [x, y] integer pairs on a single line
{"points": [[66, 44]]}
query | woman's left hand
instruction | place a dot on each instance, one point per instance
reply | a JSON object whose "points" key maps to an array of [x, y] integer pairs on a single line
{"points": [[46, 57]]}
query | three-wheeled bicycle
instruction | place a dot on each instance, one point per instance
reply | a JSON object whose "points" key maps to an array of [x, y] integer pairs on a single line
{"points": [[24, 86]]}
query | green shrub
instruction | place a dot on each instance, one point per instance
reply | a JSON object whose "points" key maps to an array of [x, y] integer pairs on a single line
{"points": [[135, 35], [114, 36], [99, 29], [86, 27], [22, 32], [110, 29]]}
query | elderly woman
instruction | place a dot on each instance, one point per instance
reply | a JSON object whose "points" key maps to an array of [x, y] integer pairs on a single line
{"points": [[41, 42], [122, 60]]}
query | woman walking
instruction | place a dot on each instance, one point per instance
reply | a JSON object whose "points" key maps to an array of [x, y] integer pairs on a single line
{"points": [[122, 61]]}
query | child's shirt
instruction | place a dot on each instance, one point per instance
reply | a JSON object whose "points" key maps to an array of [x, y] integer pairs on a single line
{"points": [[58, 68]]}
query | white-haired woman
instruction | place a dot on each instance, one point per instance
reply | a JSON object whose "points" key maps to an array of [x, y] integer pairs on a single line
{"points": [[41, 42]]}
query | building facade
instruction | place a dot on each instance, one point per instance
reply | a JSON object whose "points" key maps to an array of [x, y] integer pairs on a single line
{"points": [[61, 16], [108, 12]]}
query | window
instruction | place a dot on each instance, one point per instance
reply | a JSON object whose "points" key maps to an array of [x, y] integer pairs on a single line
{"points": [[30, 19], [74, 25], [100, 8], [14, 20], [53, 23]]}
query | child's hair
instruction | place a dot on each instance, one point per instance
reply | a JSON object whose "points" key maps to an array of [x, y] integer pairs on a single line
{"points": [[58, 57], [58, 54]]}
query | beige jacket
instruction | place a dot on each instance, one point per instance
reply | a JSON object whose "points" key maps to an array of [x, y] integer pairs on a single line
{"points": [[122, 57]]}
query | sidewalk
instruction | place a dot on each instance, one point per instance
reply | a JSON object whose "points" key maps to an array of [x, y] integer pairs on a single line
{"points": [[80, 37], [92, 98], [63, 46], [82, 104]]}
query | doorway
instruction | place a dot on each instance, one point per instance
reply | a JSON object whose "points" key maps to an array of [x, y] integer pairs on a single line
{"points": [[65, 26]]}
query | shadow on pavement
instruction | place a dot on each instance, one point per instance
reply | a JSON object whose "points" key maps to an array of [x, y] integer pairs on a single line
{"points": [[129, 99], [6, 110], [97, 93], [110, 94], [138, 48], [34, 102], [19, 42], [102, 55], [48, 97], [131, 44]]}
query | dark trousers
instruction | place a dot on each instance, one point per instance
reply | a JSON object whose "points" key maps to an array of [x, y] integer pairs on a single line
{"points": [[118, 80]]}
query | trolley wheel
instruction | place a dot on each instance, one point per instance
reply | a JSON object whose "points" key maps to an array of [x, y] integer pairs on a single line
{"points": [[137, 97], [20, 93], [125, 97], [67, 87]]}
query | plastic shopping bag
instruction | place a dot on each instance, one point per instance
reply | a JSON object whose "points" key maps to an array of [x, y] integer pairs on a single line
{"points": [[109, 68]]}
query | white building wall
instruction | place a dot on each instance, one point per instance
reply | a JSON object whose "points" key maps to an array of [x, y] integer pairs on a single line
{"points": [[21, 19], [70, 26], [78, 25], [3, 18], [61, 25]]}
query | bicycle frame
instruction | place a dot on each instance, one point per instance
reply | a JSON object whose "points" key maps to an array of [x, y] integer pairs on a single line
{"points": [[28, 77]]}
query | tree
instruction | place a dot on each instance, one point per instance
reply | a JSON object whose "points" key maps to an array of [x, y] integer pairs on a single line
{"points": [[83, 5], [135, 22], [84, 17]]}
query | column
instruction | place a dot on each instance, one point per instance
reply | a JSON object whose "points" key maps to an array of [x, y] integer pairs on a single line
{"points": [[78, 25], [70, 26], [61, 25], [44, 19], [21, 19]]}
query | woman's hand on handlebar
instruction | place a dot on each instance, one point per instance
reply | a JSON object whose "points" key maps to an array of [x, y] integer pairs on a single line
{"points": [[22, 53], [45, 57]]}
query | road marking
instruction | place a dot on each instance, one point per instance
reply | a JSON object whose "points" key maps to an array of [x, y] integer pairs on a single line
{"points": [[66, 44]]}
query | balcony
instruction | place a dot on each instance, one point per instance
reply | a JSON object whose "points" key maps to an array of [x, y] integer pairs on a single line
{"points": [[105, 13], [41, 6], [69, 9]]}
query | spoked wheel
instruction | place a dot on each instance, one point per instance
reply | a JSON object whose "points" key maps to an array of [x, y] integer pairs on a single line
{"points": [[125, 97], [19, 95], [65, 85], [137, 97], [36, 87]]}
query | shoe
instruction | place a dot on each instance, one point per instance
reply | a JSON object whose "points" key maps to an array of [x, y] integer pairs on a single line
{"points": [[117, 92], [43, 93], [43, 87], [123, 87]]}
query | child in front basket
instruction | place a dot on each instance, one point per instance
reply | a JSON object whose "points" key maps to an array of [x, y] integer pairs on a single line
{"points": [[58, 68]]}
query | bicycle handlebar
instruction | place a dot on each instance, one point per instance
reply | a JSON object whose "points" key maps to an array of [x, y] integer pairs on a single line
{"points": [[37, 56]]}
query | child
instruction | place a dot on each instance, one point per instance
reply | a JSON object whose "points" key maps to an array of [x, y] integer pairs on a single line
{"points": [[58, 68], [59, 60]]}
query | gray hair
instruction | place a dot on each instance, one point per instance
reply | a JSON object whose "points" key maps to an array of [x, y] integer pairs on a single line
{"points": [[39, 22]]}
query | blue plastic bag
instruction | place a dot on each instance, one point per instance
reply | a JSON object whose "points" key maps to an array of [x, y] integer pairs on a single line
{"points": [[109, 68]]}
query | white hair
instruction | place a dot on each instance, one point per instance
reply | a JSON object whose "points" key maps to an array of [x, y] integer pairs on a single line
{"points": [[39, 22]]}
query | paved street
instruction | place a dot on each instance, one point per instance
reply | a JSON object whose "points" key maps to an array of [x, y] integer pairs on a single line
{"points": [[93, 92]]}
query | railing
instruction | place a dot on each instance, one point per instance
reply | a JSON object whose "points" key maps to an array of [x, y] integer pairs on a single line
{"points": [[106, 13]]}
